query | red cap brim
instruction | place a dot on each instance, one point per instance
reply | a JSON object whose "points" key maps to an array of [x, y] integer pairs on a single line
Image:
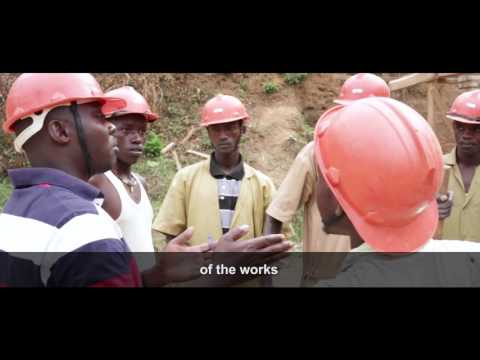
{"points": [[402, 239], [463, 120]]}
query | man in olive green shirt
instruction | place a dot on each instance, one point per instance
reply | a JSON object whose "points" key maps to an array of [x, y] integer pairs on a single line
{"points": [[222, 192], [462, 212]]}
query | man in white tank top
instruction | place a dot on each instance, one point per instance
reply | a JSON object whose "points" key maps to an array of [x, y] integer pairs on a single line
{"points": [[126, 199]]}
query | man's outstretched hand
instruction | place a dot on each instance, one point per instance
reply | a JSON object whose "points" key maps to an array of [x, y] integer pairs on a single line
{"points": [[180, 262]]}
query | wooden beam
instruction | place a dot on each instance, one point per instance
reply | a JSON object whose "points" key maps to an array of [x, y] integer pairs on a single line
{"points": [[444, 196], [192, 131], [410, 80], [169, 147], [469, 85], [461, 78], [446, 75], [431, 103], [418, 78], [177, 161], [197, 153]]}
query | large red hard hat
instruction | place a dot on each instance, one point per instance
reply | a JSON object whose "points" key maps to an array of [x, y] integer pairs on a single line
{"points": [[383, 162], [361, 86], [34, 92], [223, 109], [330, 112], [136, 103], [466, 108]]}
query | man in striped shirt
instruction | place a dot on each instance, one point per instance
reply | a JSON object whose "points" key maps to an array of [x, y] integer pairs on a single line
{"points": [[54, 232], [228, 190], [222, 192]]}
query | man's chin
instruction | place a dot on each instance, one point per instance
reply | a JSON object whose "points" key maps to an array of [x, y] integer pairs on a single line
{"points": [[129, 159], [468, 151]]}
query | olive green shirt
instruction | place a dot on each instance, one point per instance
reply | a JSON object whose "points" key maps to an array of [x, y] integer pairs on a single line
{"points": [[464, 220], [192, 200]]}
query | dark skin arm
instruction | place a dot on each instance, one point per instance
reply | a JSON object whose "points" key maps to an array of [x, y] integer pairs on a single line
{"points": [[171, 269], [272, 226], [335, 221], [341, 225]]}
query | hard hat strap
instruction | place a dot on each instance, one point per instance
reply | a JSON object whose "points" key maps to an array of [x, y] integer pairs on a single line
{"points": [[81, 138], [28, 132]]}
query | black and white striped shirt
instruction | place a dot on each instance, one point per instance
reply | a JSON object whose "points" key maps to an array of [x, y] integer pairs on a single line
{"points": [[228, 190]]}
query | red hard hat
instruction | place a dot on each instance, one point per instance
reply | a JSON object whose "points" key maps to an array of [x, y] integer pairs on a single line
{"points": [[466, 108], [34, 92], [383, 163], [361, 86], [223, 109], [136, 103], [330, 112]]}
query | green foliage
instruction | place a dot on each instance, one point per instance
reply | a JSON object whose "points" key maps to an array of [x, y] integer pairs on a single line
{"points": [[270, 88], [153, 145], [308, 131], [243, 86], [158, 173], [5, 191], [297, 224], [294, 78]]}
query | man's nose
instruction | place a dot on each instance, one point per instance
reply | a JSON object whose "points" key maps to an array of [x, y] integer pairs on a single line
{"points": [[223, 134], [137, 138]]}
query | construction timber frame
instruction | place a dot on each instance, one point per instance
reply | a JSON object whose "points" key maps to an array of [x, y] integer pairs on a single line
{"points": [[463, 81]]}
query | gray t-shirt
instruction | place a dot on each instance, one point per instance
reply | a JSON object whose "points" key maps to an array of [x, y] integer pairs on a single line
{"points": [[440, 263]]}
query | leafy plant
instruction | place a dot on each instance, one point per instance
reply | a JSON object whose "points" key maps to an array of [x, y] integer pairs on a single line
{"points": [[153, 145], [294, 78], [270, 88], [5, 191]]}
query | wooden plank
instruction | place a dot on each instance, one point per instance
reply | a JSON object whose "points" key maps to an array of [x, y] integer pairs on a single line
{"points": [[431, 103], [197, 153], [418, 78], [443, 191], [447, 75], [469, 85], [410, 80], [169, 147], [461, 78], [192, 131], [177, 160]]}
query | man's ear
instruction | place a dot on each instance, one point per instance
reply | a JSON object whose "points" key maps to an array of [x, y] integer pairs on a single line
{"points": [[243, 128], [59, 131]]}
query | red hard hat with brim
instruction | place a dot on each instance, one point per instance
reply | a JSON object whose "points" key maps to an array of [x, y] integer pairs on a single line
{"points": [[135, 104], [223, 109], [466, 108], [383, 163], [35, 92], [463, 119]]}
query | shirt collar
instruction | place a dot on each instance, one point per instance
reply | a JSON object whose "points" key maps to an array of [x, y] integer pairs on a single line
{"points": [[237, 173], [451, 157], [28, 177]]}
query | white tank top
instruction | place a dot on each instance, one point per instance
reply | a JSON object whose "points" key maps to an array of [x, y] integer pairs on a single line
{"points": [[135, 221]]}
